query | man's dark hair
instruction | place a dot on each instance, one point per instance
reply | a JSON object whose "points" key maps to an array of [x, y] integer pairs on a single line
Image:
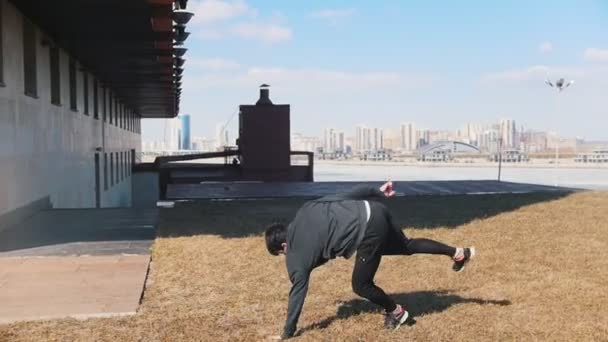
{"points": [[276, 234]]}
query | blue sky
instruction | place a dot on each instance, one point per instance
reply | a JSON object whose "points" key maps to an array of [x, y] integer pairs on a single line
{"points": [[438, 64]]}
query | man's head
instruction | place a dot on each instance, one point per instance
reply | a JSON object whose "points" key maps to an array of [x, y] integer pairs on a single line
{"points": [[276, 238]]}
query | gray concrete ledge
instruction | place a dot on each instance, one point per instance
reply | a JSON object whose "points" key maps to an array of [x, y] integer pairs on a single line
{"points": [[63, 232], [244, 190]]}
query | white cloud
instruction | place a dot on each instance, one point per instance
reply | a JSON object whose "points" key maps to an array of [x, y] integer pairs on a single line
{"points": [[526, 74], [333, 16], [320, 76], [269, 33], [538, 73], [208, 11], [334, 13], [545, 47], [596, 55], [308, 79], [221, 19], [212, 64]]}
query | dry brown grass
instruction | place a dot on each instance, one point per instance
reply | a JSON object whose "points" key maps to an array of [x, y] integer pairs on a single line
{"points": [[541, 274]]}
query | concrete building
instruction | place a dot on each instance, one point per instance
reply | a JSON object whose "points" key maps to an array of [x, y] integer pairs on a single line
{"points": [[408, 137], [222, 138], [489, 141], [377, 139], [368, 139], [534, 142], [469, 133], [172, 132], [362, 142], [392, 139], [508, 132], [423, 137], [303, 143], [329, 141], [333, 141], [202, 144], [76, 78]]}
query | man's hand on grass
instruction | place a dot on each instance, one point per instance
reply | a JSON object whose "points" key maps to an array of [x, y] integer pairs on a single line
{"points": [[387, 189]]}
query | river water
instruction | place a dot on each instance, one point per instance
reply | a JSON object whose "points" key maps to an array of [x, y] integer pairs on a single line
{"points": [[570, 177]]}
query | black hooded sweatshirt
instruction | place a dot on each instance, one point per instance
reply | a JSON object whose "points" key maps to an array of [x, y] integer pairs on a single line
{"points": [[323, 229]]}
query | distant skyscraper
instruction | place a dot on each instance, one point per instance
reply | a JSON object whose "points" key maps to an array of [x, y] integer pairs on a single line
{"points": [[202, 144], [489, 140], [508, 132], [377, 139], [333, 141], [185, 143], [302, 143], [172, 134], [328, 140], [423, 137], [361, 135], [408, 136], [221, 136]]}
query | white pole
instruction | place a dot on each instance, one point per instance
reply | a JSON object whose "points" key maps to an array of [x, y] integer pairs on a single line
{"points": [[557, 109]]}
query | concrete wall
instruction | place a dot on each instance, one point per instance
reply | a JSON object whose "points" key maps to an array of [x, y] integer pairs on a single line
{"points": [[46, 150]]}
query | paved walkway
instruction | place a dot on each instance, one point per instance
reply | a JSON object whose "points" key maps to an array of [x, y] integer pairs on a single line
{"points": [[75, 263], [80, 287], [236, 190]]}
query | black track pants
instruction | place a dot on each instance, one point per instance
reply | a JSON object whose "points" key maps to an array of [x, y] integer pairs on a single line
{"points": [[382, 237]]}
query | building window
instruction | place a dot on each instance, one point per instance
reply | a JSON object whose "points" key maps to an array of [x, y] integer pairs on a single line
{"points": [[105, 171], [122, 164], [105, 104], [111, 169], [55, 76], [118, 161], [117, 169], [29, 59], [73, 99], [95, 99], [110, 107], [85, 91]]}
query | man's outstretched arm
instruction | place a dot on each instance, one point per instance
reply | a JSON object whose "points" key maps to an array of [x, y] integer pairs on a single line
{"points": [[297, 295], [361, 192]]}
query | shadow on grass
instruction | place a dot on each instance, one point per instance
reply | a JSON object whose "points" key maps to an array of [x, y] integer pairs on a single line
{"points": [[417, 303], [241, 218]]}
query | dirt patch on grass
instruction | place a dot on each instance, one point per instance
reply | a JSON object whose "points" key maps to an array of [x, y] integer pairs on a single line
{"points": [[541, 274]]}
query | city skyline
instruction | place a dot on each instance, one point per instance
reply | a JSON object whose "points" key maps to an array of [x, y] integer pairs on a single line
{"points": [[436, 63], [405, 136]]}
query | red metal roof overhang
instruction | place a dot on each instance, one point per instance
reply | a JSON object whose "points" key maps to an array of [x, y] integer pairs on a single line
{"points": [[126, 44]]}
